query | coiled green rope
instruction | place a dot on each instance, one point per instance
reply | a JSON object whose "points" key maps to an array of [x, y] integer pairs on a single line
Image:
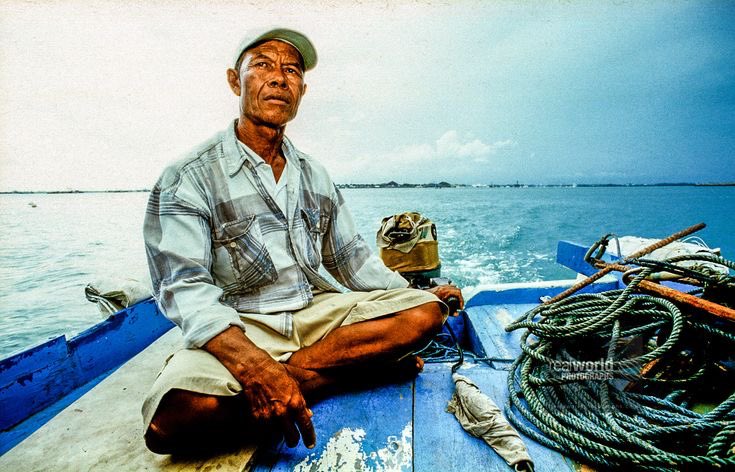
{"points": [[579, 352]]}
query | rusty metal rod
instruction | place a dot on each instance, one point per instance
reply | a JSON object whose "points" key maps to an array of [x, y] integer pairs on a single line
{"points": [[641, 252], [652, 287], [668, 240], [696, 302], [645, 370]]}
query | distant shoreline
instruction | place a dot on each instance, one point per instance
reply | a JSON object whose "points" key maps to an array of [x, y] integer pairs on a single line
{"points": [[522, 185], [404, 185], [33, 192]]}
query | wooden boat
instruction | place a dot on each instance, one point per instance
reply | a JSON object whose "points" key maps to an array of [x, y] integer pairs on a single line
{"points": [[75, 405]]}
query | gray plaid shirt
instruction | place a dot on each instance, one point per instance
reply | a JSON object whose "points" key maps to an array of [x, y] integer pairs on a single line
{"points": [[218, 245]]}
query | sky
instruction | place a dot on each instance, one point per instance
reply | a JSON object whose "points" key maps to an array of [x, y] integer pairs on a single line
{"points": [[103, 95]]}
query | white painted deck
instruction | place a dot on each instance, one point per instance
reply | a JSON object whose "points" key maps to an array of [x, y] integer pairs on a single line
{"points": [[103, 430]]}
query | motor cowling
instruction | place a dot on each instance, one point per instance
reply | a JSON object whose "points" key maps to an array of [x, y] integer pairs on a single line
{"points": [[408, 243]]}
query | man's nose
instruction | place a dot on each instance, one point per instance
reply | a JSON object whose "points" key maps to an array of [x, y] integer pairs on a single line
{"points": [[278, 79]]}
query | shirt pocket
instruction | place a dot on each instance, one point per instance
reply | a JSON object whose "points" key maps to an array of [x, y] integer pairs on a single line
{"points": [[240, 243], [314, 229]]}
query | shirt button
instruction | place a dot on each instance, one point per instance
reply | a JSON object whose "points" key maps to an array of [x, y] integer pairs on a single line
{"points": [[233, 244]]}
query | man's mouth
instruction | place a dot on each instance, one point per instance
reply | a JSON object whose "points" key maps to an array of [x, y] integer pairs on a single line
{"points": [[278, 99]]}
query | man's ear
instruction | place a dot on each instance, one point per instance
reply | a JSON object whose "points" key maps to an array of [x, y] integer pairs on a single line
{"points": [[233, 79], [303, 92]]}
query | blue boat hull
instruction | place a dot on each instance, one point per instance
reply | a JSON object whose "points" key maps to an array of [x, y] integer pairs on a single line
{"points": [[394, 427]]}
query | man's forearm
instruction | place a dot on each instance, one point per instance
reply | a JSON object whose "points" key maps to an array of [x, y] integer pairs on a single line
{"points": [[237, 353], [272, 396]]}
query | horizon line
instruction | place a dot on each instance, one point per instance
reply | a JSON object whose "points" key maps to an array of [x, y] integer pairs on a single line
{"points": [[393, 184]]}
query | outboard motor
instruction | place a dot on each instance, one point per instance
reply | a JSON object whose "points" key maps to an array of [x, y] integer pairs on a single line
{"points": [[407, 243]]}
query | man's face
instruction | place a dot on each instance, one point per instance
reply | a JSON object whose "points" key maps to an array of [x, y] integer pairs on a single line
{"points": [[270, 83]]}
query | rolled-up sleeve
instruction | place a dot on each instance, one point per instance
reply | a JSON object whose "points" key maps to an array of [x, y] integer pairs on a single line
{"points": [[348, 257], [179, 251]]}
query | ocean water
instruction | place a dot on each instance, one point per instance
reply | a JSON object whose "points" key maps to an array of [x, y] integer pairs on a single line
{"points": [[50, 252]]}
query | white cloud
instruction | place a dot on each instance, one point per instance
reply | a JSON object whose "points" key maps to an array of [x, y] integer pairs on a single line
{"points": [[507, 144], [451, 145], [452, 157]]}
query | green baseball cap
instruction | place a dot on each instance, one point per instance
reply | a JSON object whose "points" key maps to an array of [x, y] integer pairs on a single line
{"points": [[289, 36]]}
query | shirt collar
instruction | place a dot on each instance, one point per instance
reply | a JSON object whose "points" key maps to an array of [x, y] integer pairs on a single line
{"points": [[237, 152], [247, 154]]}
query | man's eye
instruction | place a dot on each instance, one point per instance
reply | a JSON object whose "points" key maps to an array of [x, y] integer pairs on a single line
{"points": [[261, 64]]}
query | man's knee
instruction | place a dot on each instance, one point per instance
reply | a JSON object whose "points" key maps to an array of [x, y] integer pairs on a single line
{"points": [[425, 320], [180, 415], [158, 441]]}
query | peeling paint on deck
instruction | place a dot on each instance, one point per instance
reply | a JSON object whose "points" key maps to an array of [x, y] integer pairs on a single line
{"points": [[344, 451]]}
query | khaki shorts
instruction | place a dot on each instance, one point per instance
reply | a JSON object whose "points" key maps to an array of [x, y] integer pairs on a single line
{"points": [[198, 371]]}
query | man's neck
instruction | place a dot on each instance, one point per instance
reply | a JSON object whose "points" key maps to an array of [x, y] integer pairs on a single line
{"points": [[265, 141]]}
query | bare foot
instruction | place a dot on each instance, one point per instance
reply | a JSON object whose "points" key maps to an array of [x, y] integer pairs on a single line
{"points": [[316, 385], [407, 368], [383, 373]]}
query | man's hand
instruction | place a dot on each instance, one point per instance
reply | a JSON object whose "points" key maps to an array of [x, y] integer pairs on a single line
{"points": [[445, 293], [274, 397]]}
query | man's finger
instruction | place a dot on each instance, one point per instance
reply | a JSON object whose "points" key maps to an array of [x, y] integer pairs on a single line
{"points": [[290, 434], [303, 421]]}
